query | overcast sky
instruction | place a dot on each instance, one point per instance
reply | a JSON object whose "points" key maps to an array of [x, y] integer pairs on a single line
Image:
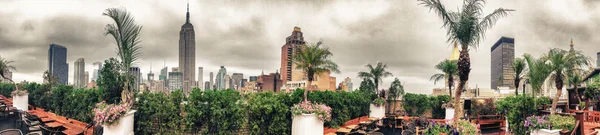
{"points": [[246, 36]]}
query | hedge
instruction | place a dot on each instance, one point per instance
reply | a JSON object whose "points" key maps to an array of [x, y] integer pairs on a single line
{"points": [[203, 112], [516, 109]]}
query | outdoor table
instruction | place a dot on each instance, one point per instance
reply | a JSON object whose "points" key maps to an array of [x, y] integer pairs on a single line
{"points": [[373, 119], [72, 131], [54, 124], [47, 119], [351, 126]]}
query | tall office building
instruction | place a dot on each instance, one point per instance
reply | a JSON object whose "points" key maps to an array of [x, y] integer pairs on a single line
{"points": [[200, 78], [79, 74], [253, 78], [150, 76], [220, 81], [243, 84], [96, 73], [502, 56], [206, 85], [187, 51], [57, 63], [212, 83], [236, 79], [288, 69], [163, 74], [598, 60], [227, 82], [175, 82], [135, 73], [86, 79]]}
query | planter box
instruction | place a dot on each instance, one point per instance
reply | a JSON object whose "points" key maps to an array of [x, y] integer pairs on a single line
{"points": [[123, 127], [449, 113], [307, 124], [377, 112], [545, 132], [21, 102]]}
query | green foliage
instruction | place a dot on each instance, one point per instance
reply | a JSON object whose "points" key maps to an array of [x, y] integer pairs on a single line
{"points": [[562, 122], [268, 113], [375, 74], [378, 102], [436, 106], [111, 80], [396, 89], [516, 109], [485, 107], [542, 101], [415, 104], [215, 112], [367, 86], [6, 88], [158, 113]]}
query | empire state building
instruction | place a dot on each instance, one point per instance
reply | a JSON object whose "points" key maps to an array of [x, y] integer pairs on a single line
{"points": [[187, 53]]}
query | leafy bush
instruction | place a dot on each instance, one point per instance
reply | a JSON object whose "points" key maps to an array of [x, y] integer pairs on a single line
{"points": [[562, 122], [6, 88], [158, 113], [543, 101], [516, 109], [436, 106], [485, 107], [268, 113], [415, 104], [215, 112], [378, 102]]}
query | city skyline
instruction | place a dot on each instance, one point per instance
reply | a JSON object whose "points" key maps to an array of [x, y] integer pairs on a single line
{"points": [[247, 37]]}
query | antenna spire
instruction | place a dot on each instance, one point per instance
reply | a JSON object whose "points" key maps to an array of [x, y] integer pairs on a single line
{"points": [[187, 15]]}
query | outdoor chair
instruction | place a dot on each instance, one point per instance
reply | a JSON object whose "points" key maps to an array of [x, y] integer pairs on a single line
{"points": [[3, 111], [98, 130], [31, 127], [11, 132], [48, 131]]}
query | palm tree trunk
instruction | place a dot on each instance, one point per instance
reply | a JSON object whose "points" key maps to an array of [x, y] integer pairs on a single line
{"points": [[308, 84], [559, 84], [464, 67], [577, 93], [517, 86], [450, 83]]}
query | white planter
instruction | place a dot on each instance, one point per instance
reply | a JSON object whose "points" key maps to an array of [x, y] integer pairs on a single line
{"points": [[21, 102], [545, 132], [576, 107], [123, 127], [591, 108], [307, 124], [449, 113], [377, 112], [506, 118]]}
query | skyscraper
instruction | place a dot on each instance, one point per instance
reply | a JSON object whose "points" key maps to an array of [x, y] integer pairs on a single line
{"points": [[253, 78], [227, 82], [243, 84], [220, 81], [175, 81], [288, 69], [135, 73], [79, 74], [187, 51], [211, 84], [200, 78], [206, 85], [57, 63], [96, 73], [237, 80], [86, 79], [502, 56], [598, 60]]}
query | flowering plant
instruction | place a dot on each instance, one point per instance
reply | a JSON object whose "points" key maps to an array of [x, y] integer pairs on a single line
{"points": [[537, 122], [108, 114], [462, 127], [379, 102], [18, 93], [321, 110], [447, 105], [562, 122]]}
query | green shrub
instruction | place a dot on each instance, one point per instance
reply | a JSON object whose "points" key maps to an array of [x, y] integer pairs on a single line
{"points": [[559, 122], [415, 104], [215, 112], [436, 106], [158, 113], [483, 107], [543, 101], [268, 113], [6, 88], [516, 109]]}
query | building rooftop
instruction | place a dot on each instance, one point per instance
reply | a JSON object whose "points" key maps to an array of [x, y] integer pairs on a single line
{"points": [[503, 39]]}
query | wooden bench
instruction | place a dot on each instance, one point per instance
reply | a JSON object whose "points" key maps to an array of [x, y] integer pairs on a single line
{"points": [[495, 120]]}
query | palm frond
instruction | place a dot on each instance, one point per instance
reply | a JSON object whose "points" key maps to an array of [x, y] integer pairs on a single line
{"points": [[448, 17], [489, 20], [126, 34], [437, 77]]}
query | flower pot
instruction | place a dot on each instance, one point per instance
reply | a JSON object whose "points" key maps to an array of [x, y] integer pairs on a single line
{"points": [[123, 127], [449, 113], [545, 132], [307, 124], [21, 102], [377, 112], [591, 108], [576, 107]]}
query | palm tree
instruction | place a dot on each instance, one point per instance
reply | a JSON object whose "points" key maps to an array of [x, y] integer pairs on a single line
{"points": [[127, 38], [314, 60], [5, 67], [396, 89], [574, 79], [376, 74], [518, 66], [537, 73], [468, 28], [50, 78], [450, 70], [560, 62]]}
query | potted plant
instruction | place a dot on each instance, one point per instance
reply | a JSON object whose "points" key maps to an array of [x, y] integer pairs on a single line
{"points": [[309, 118], [377, 107], [114, 118], [449, 110], [564, 124], [20, 99], [581, 106], [538, 125]]}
